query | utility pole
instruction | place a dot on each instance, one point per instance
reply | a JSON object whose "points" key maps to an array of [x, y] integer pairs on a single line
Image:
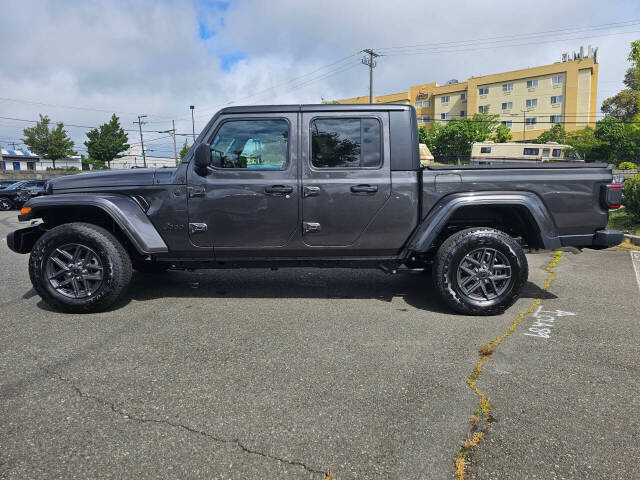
{"points": [[140, 123], [173, 134], [193, 125], [370, 62], [14, 144]]}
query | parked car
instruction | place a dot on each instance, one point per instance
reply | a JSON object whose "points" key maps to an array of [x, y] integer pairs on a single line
{"points": [[5, 183], [16, 194], [313, 186]]}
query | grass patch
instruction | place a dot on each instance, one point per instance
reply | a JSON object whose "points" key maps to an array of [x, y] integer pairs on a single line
{"points": [[622, 220]]}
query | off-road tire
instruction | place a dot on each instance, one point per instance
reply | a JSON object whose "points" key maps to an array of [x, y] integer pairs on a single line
{"points": [[453, 251], [5, 203], [116, 266]]}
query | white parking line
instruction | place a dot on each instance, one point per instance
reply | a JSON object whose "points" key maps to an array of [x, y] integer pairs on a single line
{"points": [[635, 260]]}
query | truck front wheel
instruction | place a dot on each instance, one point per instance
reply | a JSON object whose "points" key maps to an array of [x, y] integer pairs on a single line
{"points": [[79, 268], [480, 271]]}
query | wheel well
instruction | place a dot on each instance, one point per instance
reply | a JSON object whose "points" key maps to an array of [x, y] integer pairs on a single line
{"points": [[514, 220], [55, 216]]}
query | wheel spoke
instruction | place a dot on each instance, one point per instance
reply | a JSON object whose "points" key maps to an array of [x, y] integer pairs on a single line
{"points": [[93, 276], [60, 263], [467, 270], [93, 266], [499, 277], [467, 280], [57, 274], [484, 290], [76, 287], [474, 287], [65, 254], [65, 282], [472, 260]]}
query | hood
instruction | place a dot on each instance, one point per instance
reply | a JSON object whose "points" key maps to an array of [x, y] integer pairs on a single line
{"points": [[103, 178]]}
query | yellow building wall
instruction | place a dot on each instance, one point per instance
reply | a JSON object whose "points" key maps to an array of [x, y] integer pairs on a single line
{"points": [[578, 107]]}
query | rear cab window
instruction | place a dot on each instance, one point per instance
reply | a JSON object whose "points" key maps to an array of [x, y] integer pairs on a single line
{"points": [[346, 143]]}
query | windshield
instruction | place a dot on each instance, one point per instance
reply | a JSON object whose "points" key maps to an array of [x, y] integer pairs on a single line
{"points": [[13, 186]]}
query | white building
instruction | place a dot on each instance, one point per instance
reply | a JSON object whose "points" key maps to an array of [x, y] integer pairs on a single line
{"points": [[24, 160]]}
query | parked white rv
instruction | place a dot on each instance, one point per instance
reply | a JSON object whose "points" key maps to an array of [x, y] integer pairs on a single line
{"points": [[490, 152]]}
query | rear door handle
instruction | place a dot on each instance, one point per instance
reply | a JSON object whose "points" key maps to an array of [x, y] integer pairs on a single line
{"points": [[364, 189], [279, 190]]}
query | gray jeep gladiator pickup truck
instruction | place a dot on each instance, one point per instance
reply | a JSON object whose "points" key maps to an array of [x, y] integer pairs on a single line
{"points": [[312, 186]]}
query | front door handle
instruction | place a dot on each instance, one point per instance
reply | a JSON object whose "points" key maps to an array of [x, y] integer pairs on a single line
{"points": [[279, 190], [364, 189], [196, 191]]}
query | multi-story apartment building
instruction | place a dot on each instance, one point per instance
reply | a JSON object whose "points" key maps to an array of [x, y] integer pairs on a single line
{"points": [[529, 101]]}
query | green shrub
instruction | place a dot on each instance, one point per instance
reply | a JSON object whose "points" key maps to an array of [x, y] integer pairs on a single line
{"points": [[627, 166], [631, 199]]}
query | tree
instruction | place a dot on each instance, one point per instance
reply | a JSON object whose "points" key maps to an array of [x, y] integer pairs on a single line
{"points": [[583, 141], [557, 134], [184, 150], [423, 134], [502, 134], [49, 144], [457, 136], [107, 142], [624, 105]]}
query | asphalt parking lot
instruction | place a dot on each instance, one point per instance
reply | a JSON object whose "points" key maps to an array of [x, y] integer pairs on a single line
{"points": [[308, 373]]}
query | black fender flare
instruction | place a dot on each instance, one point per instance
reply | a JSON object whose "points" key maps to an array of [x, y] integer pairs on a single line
{"points": [[123, 210], [430, 227]]}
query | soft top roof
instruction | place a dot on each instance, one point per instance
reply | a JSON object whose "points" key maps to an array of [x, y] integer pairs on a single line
{"points": [[324, 107]]}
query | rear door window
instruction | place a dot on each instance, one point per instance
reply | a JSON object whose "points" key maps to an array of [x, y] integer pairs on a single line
{"points": [[346, 143]]}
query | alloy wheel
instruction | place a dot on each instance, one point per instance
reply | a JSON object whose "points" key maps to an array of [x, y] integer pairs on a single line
{"points": [[483, 274], [74, 270]]}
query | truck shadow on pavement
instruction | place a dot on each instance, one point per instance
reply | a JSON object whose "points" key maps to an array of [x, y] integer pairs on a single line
{"points": [[415, 287]]}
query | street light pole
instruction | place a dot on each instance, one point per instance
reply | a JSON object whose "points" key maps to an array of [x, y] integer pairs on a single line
{"points": [[193, 125]]}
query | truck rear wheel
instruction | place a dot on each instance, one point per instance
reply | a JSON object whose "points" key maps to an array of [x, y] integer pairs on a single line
{"points": [[79, 268], [480, 271]]}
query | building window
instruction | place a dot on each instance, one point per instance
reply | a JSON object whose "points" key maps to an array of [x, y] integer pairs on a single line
{"points": [[346, 143], [531, 151], [507, 123], [532, 83], [483, 109], [463, 113], [530, 121], [507, 87], [417, 104], [445, 116], [553, 119], [507, 105], [463, 96], [424, 119], [16, 165], [532, 102], [556, 152], [545, 152], [483, 91], [557, 80], [445, 99], [485, 149], [427, 103], [424, 103], [555, 99]]}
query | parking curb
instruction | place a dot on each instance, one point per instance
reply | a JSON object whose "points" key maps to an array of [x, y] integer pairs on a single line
{"points": [[634, 239]]}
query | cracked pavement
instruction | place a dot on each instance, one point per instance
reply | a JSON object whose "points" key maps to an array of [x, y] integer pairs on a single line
{"points": [[296, 373]]}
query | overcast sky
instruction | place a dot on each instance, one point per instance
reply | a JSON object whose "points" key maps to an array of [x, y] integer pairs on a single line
{"points": [[79, 61]]}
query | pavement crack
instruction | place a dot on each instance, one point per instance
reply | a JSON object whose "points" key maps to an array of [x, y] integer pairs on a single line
{"points": [[482, 418], [144, 419]]}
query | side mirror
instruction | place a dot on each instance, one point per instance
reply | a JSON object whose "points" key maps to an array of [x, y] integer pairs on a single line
{"points": [[202, 156]]}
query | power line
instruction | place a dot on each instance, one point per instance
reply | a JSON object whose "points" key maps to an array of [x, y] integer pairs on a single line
{"points": [[474, 41], [480, 46]]}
